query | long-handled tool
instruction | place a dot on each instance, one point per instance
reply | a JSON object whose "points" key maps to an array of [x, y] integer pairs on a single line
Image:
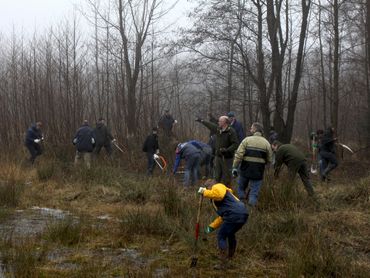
{"points": [[314, 154], [118, 147], [194, 259], [346, 147], [161, 162]]}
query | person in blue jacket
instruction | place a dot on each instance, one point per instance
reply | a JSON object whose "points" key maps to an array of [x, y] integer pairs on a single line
{"points": [[232, 215], [205, 155], [238, 127], [84, 141], [191, 155], [33, 141]]}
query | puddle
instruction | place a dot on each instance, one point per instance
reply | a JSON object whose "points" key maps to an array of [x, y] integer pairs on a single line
{"points": [[30, 222]]}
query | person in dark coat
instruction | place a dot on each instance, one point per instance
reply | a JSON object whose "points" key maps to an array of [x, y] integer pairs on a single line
{"points": [[327, 152], [33, 141], [295, 161], [103, 137], [84, 141], [226, 143], [151, 147], [166, 122], [191, 155], [237, 126], [232, 215]]}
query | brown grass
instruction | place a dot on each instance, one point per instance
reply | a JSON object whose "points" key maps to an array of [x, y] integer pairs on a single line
{"points": [[286, 236]]}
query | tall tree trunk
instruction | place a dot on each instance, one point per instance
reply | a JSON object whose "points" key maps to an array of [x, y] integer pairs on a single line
{"points": [[335, 95]]}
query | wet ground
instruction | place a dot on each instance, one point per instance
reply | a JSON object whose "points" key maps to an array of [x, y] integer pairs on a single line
{"points": [[25, 224]]}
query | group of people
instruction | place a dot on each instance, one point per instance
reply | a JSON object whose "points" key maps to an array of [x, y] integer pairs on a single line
{"points": [[87, 141], [228, 154]]}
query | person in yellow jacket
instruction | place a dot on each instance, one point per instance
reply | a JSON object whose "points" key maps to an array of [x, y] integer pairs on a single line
{"points": [[232, 215]]}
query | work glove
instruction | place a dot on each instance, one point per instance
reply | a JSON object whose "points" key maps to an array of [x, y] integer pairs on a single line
{"points": [[42, 138], [114, 140], [201, 190], [37, 141], [157, 151], [234, 172], [198, 119], [208, 230]]}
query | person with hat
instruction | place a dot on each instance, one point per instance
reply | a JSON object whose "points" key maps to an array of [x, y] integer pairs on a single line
{"points": [[237, 126], [151, 147], [103, 137], [33, 141]]}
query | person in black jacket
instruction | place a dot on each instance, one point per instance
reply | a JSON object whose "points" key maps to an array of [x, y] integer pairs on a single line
{"points": [[327, 152], [84, 141], [103, 137], [33, 141], [151, 147]]}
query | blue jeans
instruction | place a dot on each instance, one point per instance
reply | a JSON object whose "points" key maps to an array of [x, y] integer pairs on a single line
{"points": [[255, 186], [191, 170], [227, 232]]}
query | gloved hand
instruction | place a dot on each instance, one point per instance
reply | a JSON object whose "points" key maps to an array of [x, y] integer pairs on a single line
{"points": [[37, 141], [157, 151], [198, 119], [42, 138], [234, 172], [114, 140], [201, 190], [223, 150], [208, 230]]}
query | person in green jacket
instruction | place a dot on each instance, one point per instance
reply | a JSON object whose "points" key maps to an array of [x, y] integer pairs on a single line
{"points": [[226, 143], [295, 160]]}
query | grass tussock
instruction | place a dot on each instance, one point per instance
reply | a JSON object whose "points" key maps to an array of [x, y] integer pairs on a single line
{"points": [[67, 232], [316, 256], [22, 259], [143, 222], [12, 184], [46, 171], [282, 194]]}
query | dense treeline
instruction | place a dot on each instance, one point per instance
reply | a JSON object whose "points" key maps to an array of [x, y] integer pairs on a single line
{"points": [[294, 65]]}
